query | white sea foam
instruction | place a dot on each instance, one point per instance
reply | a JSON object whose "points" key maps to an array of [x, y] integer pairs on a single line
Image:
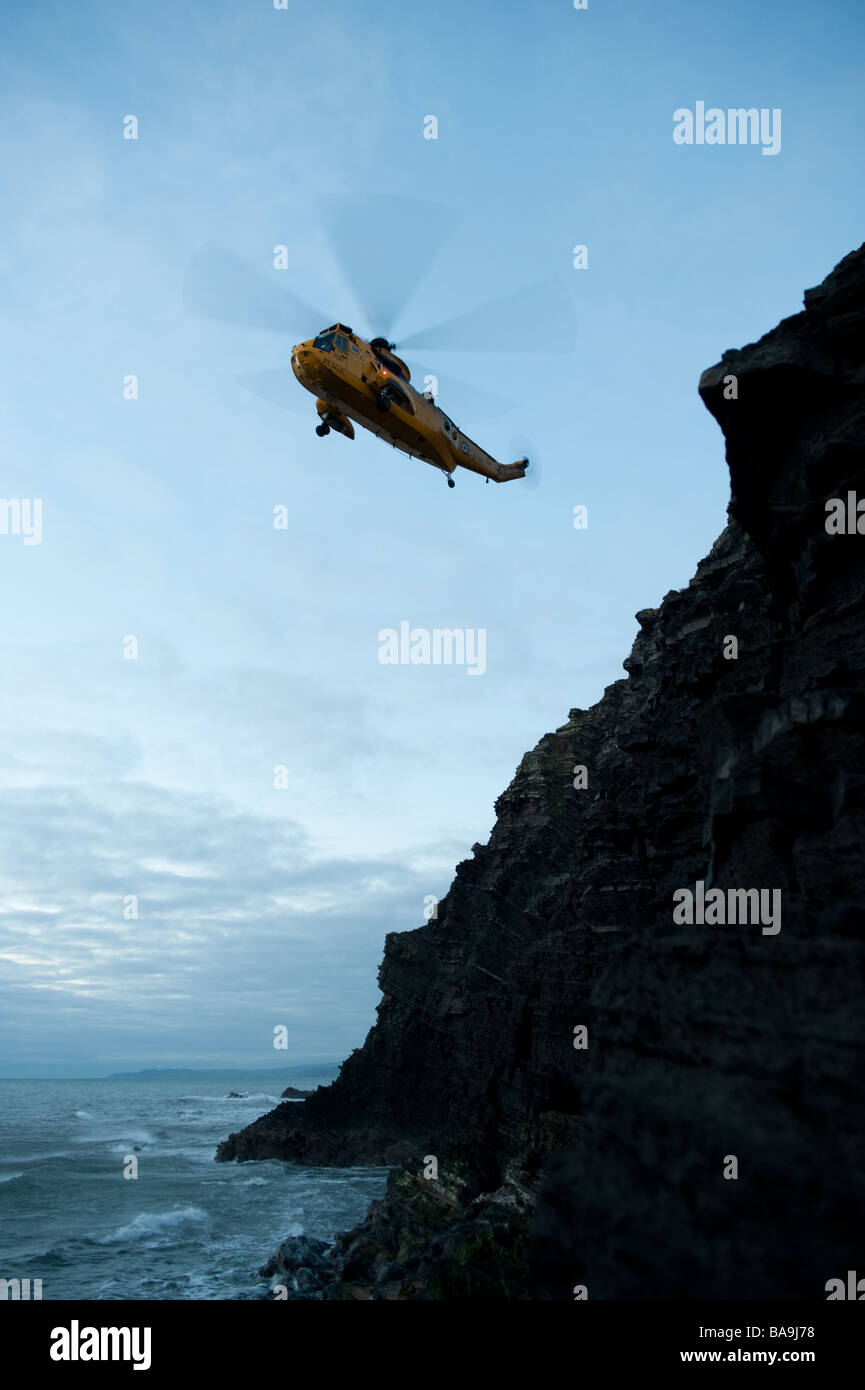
{"points": [[160, 1225], [10, 1177], [127, 1141], [245, 1096]]}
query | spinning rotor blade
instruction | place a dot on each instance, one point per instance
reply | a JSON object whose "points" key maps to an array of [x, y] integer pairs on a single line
{"points": [[522, 448], [220, 286], [383, 246], [537, 318], [460, 400], [279, 387]]}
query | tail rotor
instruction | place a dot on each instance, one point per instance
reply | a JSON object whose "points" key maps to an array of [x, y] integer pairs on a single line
{"points": [[522, 448]]}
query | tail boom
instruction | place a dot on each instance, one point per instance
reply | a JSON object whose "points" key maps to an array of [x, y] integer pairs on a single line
{"points": [[507, 471]]}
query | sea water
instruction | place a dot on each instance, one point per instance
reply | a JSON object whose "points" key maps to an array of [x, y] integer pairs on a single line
{"points": [[186, 1227]]}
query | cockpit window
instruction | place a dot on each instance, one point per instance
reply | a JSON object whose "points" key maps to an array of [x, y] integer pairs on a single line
{"points": [[325, 342], [341, 343]]}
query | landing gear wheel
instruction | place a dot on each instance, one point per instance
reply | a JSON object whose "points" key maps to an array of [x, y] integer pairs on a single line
{"points": [[451, 482], [322, 429]]}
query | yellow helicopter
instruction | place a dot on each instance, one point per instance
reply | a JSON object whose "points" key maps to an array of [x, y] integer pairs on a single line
{"points": [[353, 379], [363, 380]]}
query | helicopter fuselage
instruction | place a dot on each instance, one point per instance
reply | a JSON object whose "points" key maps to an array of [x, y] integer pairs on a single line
{"points": [[353, 379]]}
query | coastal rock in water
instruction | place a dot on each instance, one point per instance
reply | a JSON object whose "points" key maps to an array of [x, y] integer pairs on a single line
{"points": [[302, 1265], [733, 755], [292, 1093]]}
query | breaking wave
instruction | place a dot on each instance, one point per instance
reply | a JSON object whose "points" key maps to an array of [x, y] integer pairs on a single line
{"points": [[156, 1227]]}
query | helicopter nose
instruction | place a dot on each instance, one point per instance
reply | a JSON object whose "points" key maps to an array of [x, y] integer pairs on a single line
{"points": [[301, 358]]}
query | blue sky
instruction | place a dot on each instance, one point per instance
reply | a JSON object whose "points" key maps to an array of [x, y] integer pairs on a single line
{"points": [[261, 906]]}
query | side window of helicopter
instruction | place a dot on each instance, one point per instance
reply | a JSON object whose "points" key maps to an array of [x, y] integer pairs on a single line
{"points": [[341, 343], [325, 341], [447, 425]]}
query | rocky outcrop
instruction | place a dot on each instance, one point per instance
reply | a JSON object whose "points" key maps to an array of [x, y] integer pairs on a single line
{"points": [[302, 1268], [732, 757]]}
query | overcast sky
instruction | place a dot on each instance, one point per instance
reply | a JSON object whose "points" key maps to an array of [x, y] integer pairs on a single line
{"points": [[258, 904]]}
